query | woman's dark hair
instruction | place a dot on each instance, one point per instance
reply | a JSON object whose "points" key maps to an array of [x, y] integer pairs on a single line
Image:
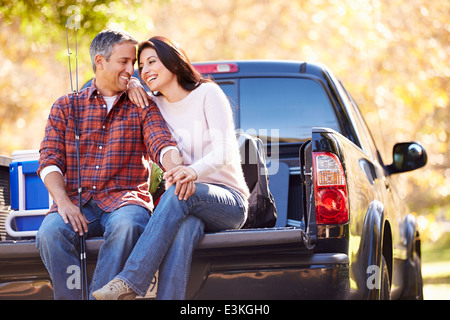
{"points": [[175, 60]]}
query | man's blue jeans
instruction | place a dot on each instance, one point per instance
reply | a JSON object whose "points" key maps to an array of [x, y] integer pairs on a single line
{"points": [[172, 234], [58, 245]]}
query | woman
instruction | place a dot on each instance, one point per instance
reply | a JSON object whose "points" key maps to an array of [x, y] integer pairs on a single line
{"points": [[207, 193]]}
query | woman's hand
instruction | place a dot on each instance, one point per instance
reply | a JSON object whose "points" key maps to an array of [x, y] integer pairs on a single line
{"points": [[137, 93], [184, 178]]}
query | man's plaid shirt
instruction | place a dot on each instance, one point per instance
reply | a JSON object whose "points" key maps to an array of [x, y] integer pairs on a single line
{"points": [[114, 148]]}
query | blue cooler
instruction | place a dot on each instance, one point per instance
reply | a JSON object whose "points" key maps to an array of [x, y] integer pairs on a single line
{"points": [[31, 191], [30, 199]]}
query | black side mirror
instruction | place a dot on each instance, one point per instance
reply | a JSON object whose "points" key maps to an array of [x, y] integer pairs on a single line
{"points": [[408, 156]]}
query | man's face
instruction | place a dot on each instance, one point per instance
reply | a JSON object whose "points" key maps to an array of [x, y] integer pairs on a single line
{"points": [[112, 76]]}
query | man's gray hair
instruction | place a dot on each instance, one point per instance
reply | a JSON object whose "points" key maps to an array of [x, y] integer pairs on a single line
{"points": [[104, 41]]}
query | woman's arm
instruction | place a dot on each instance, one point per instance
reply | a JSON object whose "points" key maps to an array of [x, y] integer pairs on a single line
{"points": [[137, 93], [223, 145], [184, 178]]}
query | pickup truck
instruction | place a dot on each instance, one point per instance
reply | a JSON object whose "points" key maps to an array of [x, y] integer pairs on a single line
{"points": [[342, 232]]}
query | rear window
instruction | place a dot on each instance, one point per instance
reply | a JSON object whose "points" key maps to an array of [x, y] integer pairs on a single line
{"points": [[288, 107]]}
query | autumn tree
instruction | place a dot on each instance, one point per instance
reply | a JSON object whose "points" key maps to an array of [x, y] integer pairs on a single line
{"points": [[391, 55]]}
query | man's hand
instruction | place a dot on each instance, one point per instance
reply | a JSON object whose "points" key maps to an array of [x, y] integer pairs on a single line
{"points": [[70, 213]]}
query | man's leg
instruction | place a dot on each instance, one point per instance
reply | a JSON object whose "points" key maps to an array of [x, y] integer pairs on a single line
{"points": [[58, 246], [122, 229]]}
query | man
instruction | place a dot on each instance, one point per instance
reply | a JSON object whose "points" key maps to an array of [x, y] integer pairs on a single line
{"points": [[115, 137]]}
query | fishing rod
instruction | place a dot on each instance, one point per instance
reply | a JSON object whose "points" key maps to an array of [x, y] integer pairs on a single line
{"points": [[75, 104]]}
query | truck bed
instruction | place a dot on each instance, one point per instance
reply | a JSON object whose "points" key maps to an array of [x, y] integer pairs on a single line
{"points": [[229, 239], [20, 259]]}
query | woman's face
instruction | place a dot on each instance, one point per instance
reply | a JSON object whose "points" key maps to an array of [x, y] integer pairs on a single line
{"points": [[154, 73]]}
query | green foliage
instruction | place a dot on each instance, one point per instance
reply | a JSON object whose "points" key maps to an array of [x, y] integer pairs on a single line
{"points": [[34, 58], [44, 21], [437, 251]]}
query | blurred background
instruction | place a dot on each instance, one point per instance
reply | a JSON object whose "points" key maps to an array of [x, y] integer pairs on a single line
{"points": [[392, 55]]}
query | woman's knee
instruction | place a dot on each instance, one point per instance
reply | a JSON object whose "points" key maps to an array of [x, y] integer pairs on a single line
{"points": [[169, 201], [169, 194], [202, 191]]}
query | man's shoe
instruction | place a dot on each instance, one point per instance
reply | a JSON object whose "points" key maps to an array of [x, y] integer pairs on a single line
{"points": [[115, 290]]}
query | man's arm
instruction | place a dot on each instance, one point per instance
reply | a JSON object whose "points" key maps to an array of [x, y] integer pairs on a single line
{"points": [[54, 182], [171, 159], [52, 164], [157, 138]]}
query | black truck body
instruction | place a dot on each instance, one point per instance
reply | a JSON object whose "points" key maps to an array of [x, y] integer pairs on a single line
{"points": [[354, 239]]}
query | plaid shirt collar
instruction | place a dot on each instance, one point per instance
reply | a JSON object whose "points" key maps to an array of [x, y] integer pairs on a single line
{"points": [[94, 92]]}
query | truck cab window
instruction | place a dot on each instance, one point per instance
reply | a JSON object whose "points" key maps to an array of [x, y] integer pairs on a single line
{"points": [[289, 107]]}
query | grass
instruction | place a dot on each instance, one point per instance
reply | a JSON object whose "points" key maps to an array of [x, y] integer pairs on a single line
{"points": [[436, 269]]}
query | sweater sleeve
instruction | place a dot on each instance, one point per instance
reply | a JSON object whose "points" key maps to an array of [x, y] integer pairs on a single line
{"points": [[219, 118]]}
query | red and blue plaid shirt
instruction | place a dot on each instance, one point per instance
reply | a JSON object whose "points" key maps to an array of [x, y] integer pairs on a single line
{"points": [[114, 148]]}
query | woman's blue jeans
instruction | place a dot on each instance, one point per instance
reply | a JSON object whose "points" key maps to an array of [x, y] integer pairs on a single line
{"points": [[172, 234], [58, 245]]}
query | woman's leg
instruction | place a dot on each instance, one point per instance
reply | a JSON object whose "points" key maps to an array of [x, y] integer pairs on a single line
{"points": [[218, 207], [175, 268]]}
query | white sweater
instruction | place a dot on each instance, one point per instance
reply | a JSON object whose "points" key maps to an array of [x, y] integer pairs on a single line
{"points": [[202, 124]]}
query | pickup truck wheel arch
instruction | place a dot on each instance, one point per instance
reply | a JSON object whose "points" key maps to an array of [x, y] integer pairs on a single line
{"points": [[385, 288], [388, 248], [375, 249]]}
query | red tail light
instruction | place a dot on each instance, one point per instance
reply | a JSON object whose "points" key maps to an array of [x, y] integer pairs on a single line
{"points": [[330, 188]]}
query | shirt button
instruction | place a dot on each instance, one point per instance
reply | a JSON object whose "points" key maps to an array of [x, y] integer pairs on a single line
{"points": [[97, 167], [104, 106], [100, 147], [104, 127], [94, 187]]}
